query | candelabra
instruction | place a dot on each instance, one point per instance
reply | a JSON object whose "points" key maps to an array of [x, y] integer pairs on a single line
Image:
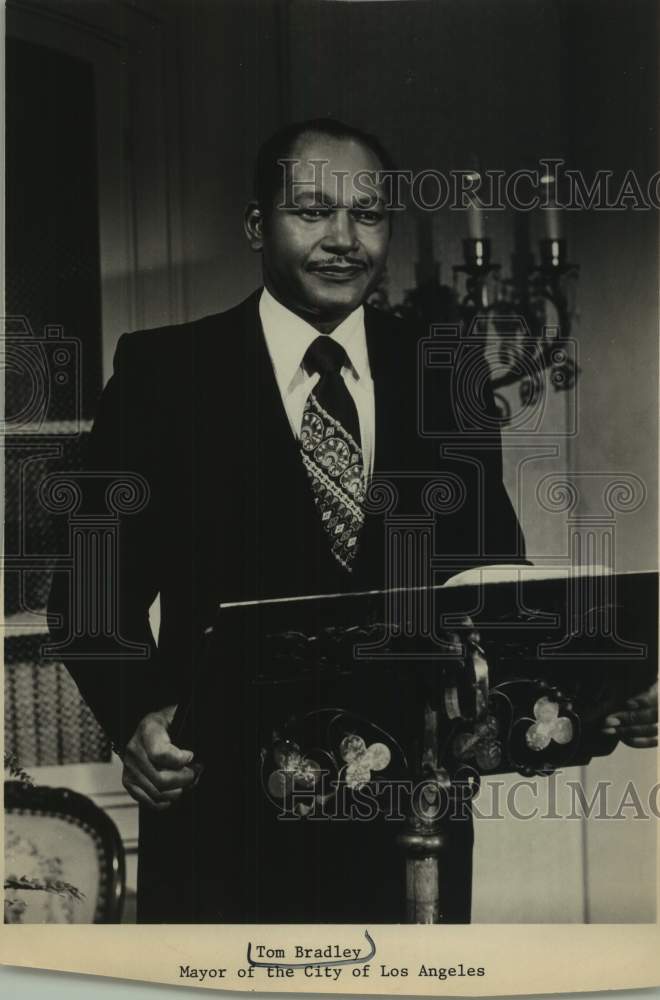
{"points": [[524, 318], [530, 314]]}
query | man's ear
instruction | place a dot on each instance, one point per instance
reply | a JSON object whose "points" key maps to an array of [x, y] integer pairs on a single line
{"points": [[253, 224]]}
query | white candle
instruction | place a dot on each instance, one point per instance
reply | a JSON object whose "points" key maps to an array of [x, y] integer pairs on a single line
{"points": [[550, 208], [475, 217]]}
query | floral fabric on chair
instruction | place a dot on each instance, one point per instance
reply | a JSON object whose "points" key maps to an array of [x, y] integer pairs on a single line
{"points": [[61, 841]]}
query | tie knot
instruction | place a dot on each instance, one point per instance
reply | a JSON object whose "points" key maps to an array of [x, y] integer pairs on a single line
{"points": [[324, 355]]}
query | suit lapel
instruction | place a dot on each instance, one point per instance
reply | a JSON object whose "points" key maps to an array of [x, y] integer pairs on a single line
{"points": [[389, 392], [393, 405], [291, 549], [271, 526]]}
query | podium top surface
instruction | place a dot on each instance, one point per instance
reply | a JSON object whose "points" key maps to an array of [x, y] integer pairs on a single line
{"points": [[495, 576]]}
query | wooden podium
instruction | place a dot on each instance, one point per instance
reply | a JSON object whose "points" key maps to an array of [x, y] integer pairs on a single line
{"points": [[344, 736]]}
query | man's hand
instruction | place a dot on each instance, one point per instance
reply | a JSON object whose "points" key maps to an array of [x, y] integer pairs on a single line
{"points": [[637, 724], [155, 770]]}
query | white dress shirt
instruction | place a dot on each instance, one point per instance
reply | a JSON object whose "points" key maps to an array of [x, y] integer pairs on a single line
{"points": [[288, 337]]}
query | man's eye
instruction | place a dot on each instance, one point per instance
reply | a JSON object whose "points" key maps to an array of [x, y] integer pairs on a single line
{"points": [[314, 213], [366, 215]]}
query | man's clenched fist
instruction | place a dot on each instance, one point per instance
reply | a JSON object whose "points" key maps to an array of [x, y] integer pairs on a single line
{"points": [[155, 770]]}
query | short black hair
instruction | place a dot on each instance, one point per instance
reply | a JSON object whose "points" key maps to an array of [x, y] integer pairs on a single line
{"points": [[268, 172]]}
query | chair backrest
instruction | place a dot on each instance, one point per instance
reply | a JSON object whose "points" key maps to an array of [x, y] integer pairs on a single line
{"points": [[55, 835]]}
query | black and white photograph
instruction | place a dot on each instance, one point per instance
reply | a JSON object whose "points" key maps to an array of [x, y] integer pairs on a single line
{"points": [[331, 447]]}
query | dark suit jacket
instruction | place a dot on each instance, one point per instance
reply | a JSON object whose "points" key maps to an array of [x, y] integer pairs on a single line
{"points": [[195, 410]]}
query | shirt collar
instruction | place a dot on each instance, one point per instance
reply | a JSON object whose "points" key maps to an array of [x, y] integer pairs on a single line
{"points": [[288, 336]]}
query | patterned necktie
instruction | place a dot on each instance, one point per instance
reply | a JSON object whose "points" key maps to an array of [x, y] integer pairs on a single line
{"points": [[331, 451]]}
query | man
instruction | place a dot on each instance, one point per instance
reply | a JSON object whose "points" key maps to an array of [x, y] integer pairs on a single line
{"points": [[226, 420]]}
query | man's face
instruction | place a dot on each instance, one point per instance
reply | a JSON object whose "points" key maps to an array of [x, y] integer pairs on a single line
{"points": [[325, 250]]}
